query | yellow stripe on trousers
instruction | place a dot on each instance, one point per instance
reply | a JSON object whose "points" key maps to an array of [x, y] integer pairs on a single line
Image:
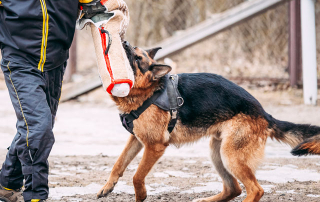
{"points": [[25, 120], [45, 29]]}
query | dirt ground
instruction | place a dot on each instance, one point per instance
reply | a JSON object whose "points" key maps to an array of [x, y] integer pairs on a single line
{"points": [[89, 137]]}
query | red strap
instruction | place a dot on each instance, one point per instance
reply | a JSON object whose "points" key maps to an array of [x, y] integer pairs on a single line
{"points": [[119, 81], [106, 57], [103, 1]]}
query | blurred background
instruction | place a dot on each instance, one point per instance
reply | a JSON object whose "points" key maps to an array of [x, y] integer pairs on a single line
{"points": [[254, 43], [253, 51], [257, 47]]}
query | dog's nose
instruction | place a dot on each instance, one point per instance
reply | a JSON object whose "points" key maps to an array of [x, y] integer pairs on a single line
{"points": [[126, 43]]}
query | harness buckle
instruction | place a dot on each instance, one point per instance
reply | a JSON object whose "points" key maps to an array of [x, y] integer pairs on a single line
{"points": [[174, 114]]}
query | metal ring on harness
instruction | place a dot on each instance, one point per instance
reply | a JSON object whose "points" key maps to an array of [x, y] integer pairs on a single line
{"points": [[109, 41], [181, 101]]}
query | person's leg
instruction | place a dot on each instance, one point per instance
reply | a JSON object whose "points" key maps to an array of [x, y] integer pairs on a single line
{"points": [[54, 79], [28, 87], [53, 83], [12, 175], [11, 172]]}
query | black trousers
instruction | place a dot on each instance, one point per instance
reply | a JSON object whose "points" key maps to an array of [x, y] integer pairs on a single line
{"points": [[35, 98]]}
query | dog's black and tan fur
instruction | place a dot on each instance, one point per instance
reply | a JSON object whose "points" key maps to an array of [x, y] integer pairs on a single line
{"points": [[214, 107]]}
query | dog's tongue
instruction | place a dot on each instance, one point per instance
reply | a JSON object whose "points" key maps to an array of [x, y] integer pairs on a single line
{"points": [[120, 90]]}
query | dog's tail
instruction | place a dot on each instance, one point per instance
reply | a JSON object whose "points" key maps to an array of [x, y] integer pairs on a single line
{"points": [[303, 138]]}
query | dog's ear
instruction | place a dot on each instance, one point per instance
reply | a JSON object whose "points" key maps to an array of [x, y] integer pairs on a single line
{"points": [[159, 70], [152, 52]]}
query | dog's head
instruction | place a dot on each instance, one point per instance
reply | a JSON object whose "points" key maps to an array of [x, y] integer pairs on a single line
{"points": [[146, 70]]}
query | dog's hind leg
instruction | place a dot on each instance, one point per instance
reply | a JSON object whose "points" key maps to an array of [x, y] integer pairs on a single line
{"points": [[132, 148], [231, 187], [243, 169], [242, 149], [151, 155]]}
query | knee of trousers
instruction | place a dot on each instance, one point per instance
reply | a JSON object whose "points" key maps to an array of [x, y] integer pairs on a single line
{"points": [[38, 131], [37, 141]]}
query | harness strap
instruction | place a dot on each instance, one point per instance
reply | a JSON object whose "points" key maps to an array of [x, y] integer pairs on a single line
{"points": [[127, 119], [175, 100], [172, 95]]}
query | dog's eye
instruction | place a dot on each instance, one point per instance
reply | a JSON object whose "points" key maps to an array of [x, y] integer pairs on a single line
{"points": [[138, 58]]}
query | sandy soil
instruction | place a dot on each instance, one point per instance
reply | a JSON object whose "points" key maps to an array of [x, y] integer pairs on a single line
{"points": [[181, 179], [89, 137]]}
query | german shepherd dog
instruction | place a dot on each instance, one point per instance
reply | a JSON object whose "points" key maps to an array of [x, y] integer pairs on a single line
{"points": [[213, 107]]}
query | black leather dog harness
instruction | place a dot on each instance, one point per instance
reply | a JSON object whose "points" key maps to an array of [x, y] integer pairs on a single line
{"points": [[168, 99]]}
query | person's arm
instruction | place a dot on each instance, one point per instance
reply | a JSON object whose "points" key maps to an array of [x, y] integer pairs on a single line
{"points": [[90, 8]]}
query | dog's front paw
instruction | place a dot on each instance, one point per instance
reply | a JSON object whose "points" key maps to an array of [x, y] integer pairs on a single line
{"points": [[106, 189], [141, 200]]}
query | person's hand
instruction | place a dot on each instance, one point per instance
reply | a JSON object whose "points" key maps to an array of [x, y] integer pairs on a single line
{"points": [[90, 8]]}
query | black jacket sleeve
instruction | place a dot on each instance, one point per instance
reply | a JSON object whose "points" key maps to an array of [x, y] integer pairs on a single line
{"points": [[38, 32]]}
